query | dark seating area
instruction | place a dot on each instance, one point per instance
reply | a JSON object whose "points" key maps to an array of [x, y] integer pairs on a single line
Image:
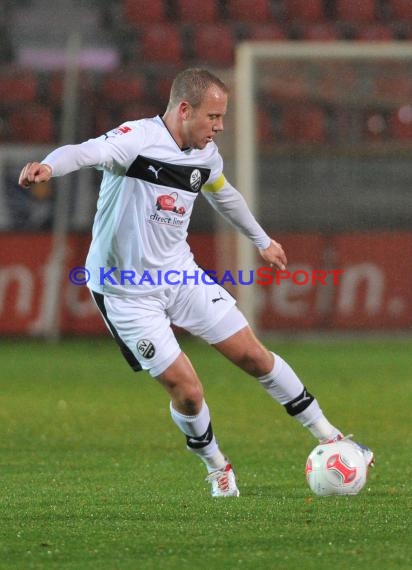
{"points": [[138, 45]]}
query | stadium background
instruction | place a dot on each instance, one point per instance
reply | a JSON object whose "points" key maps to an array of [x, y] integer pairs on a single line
{"points": [[352, 212]]}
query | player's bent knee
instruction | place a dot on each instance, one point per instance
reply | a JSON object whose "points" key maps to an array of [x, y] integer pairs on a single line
{"points": [[192, 395], [186, 393], [187, 401], [256, 360], [189, 407]]}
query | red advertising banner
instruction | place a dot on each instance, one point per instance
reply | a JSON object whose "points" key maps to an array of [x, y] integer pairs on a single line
{"points": [[375, 289], [25, 271], [285, 304], [345, 282], [367, 287], [24, 274]]}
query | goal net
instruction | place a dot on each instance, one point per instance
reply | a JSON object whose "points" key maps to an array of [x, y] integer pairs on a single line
{"points": [[323, 142]]}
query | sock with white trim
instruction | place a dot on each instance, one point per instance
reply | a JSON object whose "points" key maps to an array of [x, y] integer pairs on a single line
{"points": [[284, 386], [199, 437]]}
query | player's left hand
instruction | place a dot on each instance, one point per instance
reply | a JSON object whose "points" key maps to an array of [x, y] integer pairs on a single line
{"points": [[274, 255]]}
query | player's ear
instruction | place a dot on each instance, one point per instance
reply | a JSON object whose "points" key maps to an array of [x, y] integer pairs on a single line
{"points": [[185, 110]]}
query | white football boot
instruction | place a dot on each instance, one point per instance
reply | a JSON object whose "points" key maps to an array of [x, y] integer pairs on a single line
{"points": [[223, 482], [366, 451]]}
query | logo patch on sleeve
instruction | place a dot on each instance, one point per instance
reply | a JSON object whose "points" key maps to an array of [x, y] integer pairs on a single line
{"points": [[122, 130]]}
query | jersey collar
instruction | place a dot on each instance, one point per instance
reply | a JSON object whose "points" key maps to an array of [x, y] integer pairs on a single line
{"points": [[186, 149]]}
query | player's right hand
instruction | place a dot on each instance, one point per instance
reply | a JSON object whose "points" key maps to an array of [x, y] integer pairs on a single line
{"points": [[274, 255], [33, 173]]}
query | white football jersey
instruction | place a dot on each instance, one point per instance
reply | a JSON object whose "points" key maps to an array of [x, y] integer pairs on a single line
{"points": [[146, 198]]}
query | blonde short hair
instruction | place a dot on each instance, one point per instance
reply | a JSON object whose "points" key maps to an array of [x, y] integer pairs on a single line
{"points": [[191, 84]]}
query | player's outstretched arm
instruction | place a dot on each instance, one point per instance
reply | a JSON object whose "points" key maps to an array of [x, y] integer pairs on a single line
{"points": [[104, 151], [233, 207], [274, 255], [33, 173]]}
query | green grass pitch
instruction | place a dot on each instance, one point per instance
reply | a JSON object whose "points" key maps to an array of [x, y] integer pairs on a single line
{"points": [[94, 474]]}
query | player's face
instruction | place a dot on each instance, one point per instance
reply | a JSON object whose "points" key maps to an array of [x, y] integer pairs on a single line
{"points": [[204, 122]]}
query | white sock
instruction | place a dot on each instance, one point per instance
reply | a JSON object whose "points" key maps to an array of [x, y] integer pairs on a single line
{"points": [[199, 436], [281, 382], [323, 430], [285, 387]]}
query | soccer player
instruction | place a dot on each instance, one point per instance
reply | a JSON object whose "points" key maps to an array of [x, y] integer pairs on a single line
{"points": [[153, 170]]}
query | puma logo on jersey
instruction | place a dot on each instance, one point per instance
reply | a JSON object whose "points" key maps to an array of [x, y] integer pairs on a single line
{"points": [[155, 172]]}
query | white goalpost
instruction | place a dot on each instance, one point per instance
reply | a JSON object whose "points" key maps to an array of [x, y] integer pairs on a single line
{"points": [[257, 65]]}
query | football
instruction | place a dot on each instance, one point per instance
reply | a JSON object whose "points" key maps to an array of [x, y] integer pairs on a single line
{"points": [[337, 468]]}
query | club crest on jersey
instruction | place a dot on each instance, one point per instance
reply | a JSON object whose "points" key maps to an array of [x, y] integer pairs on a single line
{"points": [[146, 348], [195, 180]]}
